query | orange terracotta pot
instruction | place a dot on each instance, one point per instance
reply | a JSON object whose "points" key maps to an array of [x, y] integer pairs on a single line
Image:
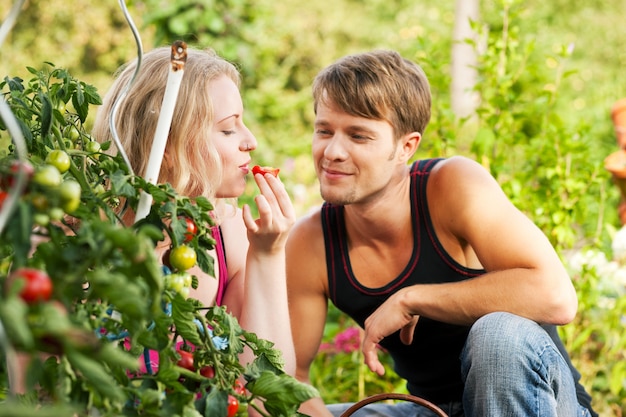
{"points": [[618, 115], [615, 163]]}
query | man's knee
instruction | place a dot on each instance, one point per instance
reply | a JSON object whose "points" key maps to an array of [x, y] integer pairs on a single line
{"points": [[497, 339]]}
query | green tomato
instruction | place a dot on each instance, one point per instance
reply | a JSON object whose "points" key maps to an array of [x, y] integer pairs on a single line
{"points": [[175, 282], [60, 159], [56, 213], [41, 219], [93, 146], [40, 202], [70, 192], [61, 107], [47, 176], [182, 257], [72, 133]]}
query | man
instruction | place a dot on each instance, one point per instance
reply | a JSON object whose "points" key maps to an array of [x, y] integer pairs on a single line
{"points": [[431, 258]]}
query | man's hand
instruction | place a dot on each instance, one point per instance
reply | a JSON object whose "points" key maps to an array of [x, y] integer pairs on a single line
{"points": [[391, 316]]}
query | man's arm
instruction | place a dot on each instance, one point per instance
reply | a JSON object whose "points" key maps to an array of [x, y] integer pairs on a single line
{"points": [[306, 284], [479, 227]]}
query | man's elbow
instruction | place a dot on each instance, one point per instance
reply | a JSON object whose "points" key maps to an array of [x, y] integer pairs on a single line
{"points": [[564, 307]]}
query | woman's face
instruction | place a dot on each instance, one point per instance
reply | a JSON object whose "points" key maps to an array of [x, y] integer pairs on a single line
{"points": [[231, 138]]}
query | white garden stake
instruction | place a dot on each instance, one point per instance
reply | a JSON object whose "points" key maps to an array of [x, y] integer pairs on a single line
{"points": [[177, 69]]}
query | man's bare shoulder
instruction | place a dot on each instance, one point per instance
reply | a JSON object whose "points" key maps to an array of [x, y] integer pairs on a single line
{"points": [[309, 224], [306, 239]]}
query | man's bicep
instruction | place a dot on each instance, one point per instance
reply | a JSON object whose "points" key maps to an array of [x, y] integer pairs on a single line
{"points": [[307, 299]]}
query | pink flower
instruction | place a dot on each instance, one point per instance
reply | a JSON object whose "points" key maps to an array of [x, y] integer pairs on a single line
{"points": [[349, 340]]}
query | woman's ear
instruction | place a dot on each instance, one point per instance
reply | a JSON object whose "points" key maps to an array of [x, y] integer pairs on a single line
{"points": [[408, 145]]}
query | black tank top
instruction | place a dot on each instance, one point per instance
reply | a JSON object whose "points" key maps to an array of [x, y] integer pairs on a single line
{"points": [[431, 364]]}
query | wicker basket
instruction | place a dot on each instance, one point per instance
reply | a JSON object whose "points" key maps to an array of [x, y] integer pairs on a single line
{"points": [[394, 396]]}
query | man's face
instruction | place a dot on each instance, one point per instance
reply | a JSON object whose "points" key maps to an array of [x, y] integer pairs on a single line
{"points": [[354, 156]]}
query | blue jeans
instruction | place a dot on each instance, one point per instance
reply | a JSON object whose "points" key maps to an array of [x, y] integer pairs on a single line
{"points": [[510, 367]]}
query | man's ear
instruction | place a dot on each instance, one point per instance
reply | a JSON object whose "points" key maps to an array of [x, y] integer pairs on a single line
{"points": [[408, 145]]}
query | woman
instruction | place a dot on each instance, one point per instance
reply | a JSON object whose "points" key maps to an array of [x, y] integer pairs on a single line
{"points": [[208, 154]]}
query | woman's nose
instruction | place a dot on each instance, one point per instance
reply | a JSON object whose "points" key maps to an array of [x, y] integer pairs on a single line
{"points": [[249, 142]]}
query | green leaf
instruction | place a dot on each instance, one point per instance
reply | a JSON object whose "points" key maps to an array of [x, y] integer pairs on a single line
{"points": [[283, 393], [13, 312], [97, 376], [46, 115]]}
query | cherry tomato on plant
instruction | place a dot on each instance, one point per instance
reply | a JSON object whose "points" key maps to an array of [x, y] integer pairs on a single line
{"points": [[239, 387], [265, 170], [186, 360], [70, 192], [48, 176], [60, 159], [72, 133], [37, 284], [3, 196], [61, 107], [182, 257], [11, 179], [233, 406], [207, 372], [192, 229], [93, 146], [40, 202]]}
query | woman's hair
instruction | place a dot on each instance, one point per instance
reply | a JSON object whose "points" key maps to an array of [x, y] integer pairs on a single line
{"points": [[378, 85], [192, 165]]}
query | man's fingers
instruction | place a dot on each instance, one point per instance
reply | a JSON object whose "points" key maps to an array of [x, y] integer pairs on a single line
{"points": [[371, 360], [406, 332]]}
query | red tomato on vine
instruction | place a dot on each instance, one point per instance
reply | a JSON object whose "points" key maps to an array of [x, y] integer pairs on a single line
{"points": [[192, 229], [37, 284], [186, 360], [233, 406]]}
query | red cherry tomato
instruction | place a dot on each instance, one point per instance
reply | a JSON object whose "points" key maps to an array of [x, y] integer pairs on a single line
{"points": [[37, 287], [265, 170], [10, 179], [207, 372], [239, 387], [186, 360], [3, 196], [233, 406], [192, 229]]}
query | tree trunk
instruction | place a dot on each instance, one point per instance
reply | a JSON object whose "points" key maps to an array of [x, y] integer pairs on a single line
{"points": [[463, 98]]}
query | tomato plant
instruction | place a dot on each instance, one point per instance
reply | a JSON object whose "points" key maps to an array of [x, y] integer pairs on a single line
{"points": [[265, 170], [85, 286], [37, 285]]}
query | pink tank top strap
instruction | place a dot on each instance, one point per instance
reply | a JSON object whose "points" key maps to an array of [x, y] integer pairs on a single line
{"points": [[220, 254]]}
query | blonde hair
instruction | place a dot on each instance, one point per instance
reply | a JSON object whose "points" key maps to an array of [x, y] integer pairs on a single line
{"points": [[378, 85], [191, 165]]}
